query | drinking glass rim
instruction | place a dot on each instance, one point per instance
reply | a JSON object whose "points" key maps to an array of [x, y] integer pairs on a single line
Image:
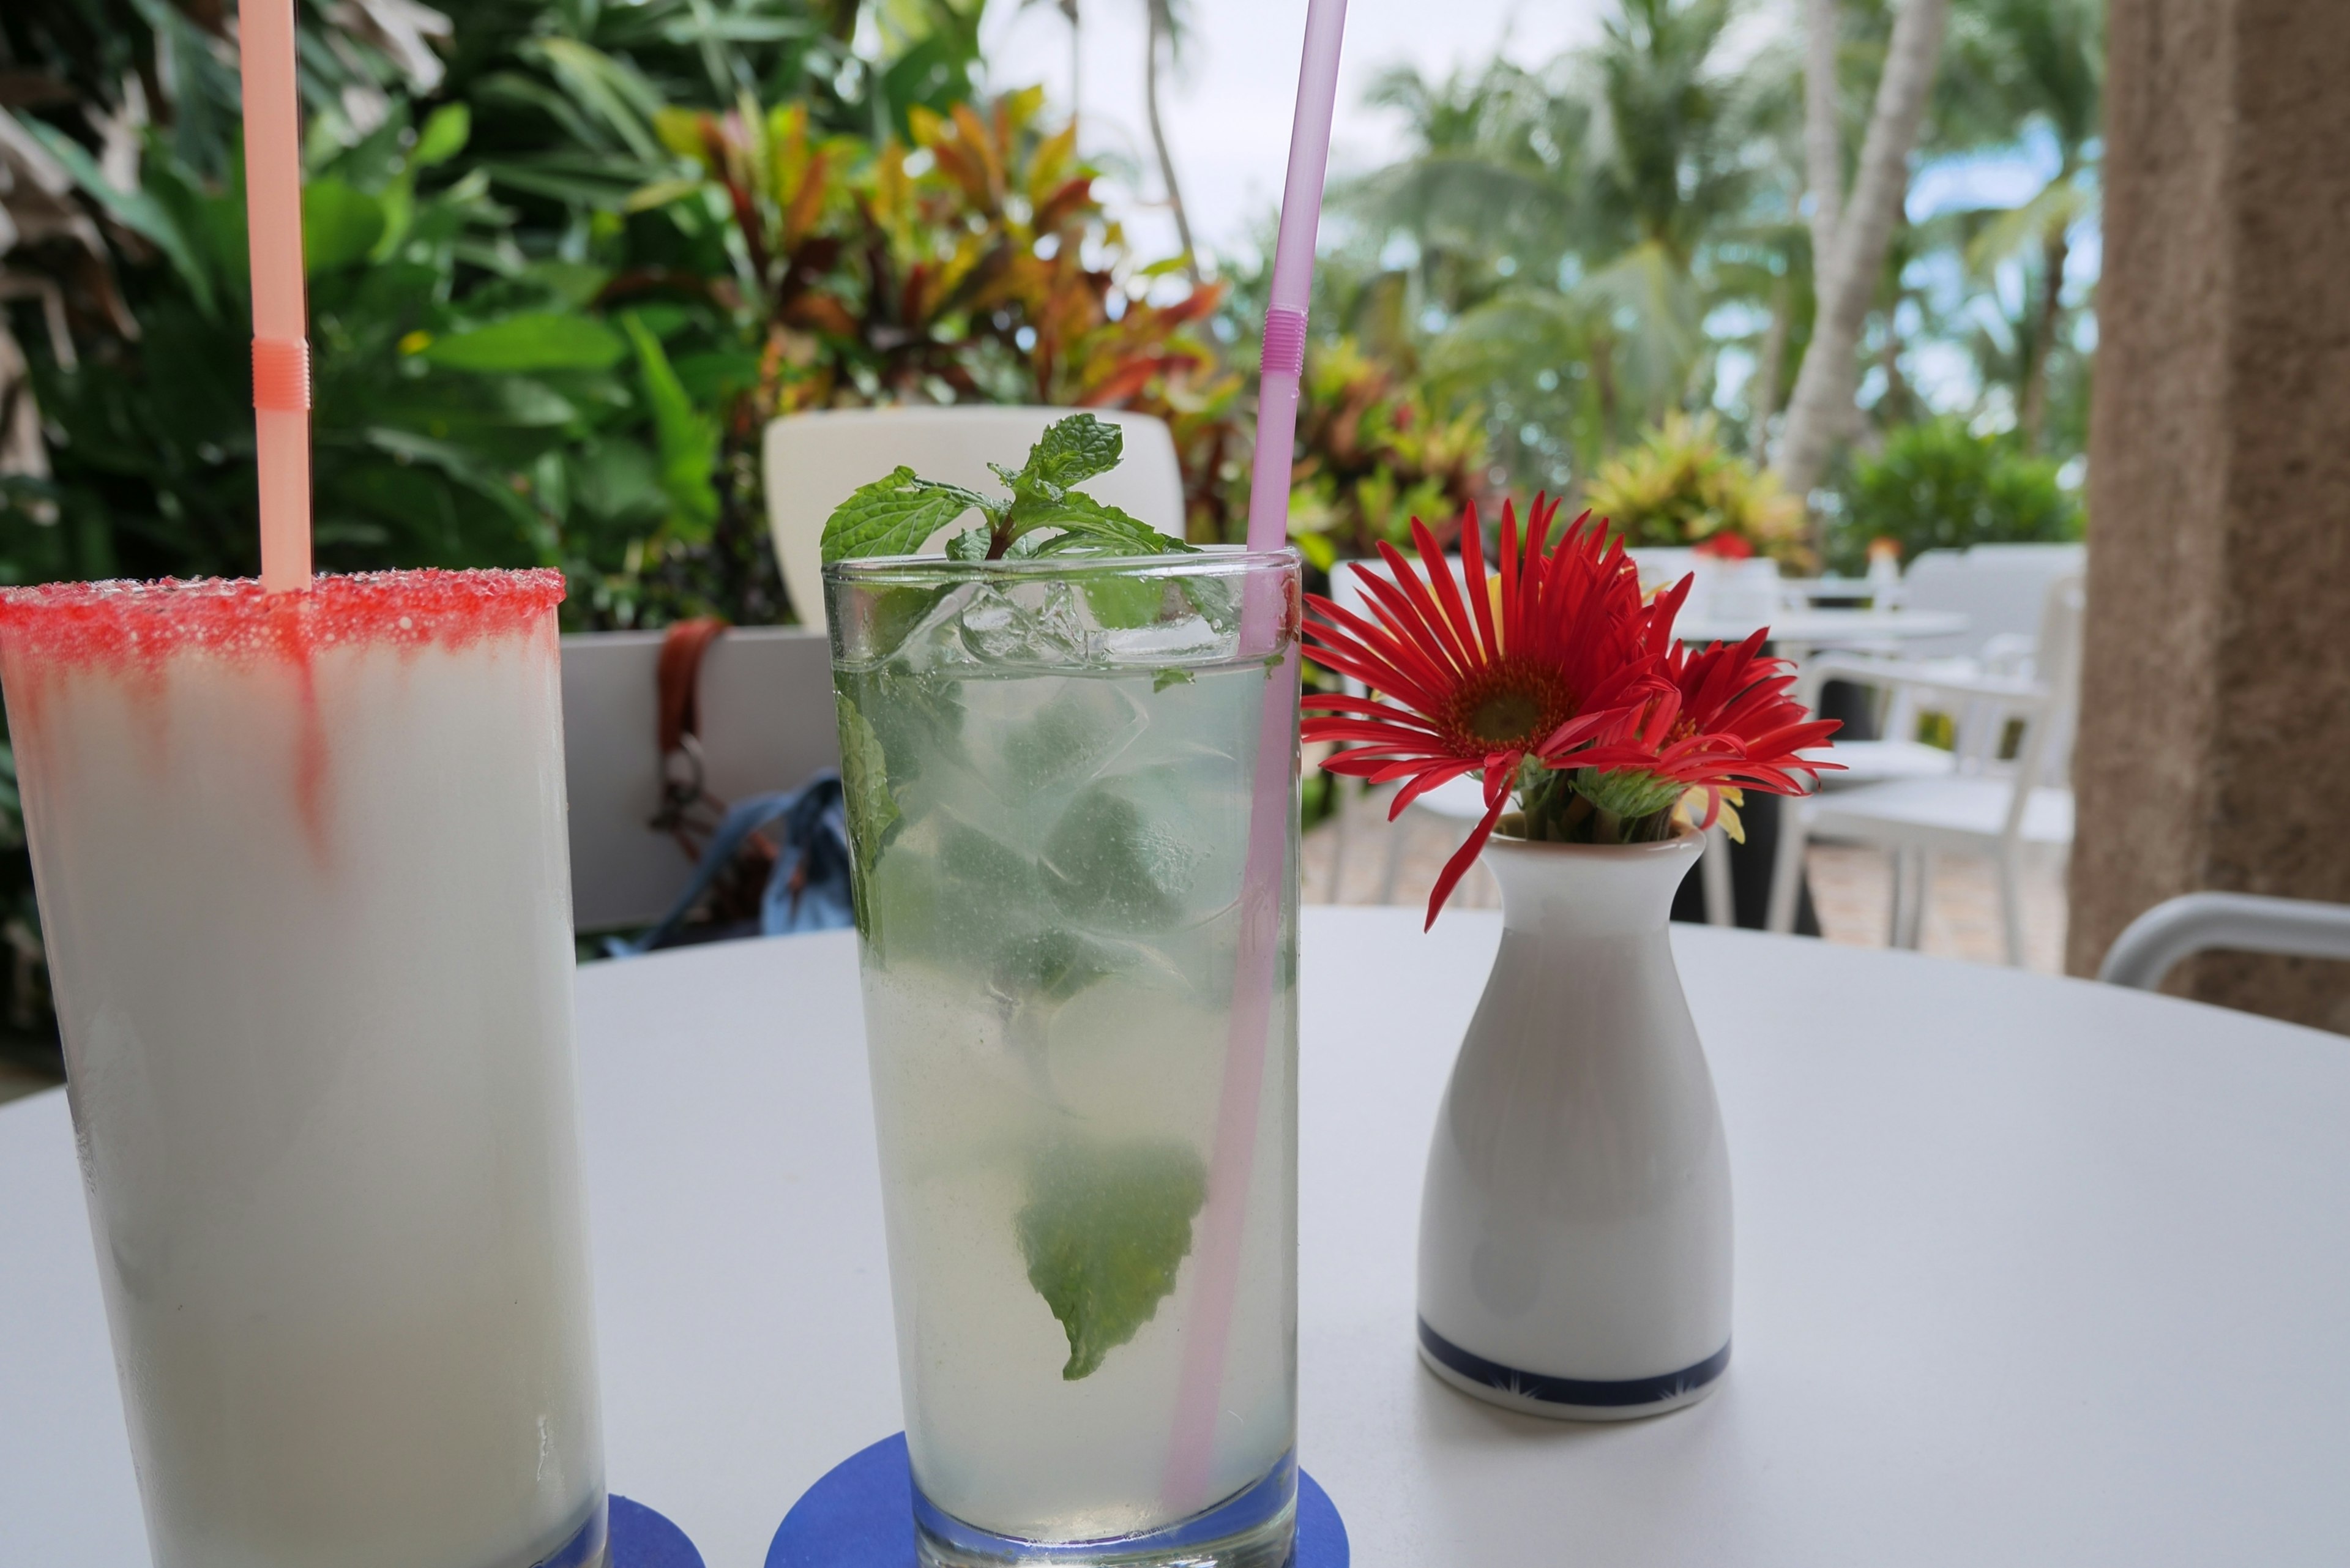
{"points": [[1205, 560]]}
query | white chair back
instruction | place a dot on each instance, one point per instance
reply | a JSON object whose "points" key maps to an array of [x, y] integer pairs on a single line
{"points": [[1346, 591], [2056, 665], [766, 722], [2000, 589], [813, 461]]}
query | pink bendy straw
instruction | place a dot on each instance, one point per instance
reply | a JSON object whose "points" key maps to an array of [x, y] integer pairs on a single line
{"points": [[281, 354], [1198, 1402]]}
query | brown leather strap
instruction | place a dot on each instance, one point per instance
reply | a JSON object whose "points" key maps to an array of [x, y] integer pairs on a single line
{"points": [[680, 679]]}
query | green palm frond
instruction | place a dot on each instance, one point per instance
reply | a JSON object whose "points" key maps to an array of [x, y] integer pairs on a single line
{"points": [[2055, 208]]}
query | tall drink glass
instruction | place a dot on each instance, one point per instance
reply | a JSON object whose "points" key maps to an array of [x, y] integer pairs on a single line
{"points": [[302, 874], [1050, 770]]}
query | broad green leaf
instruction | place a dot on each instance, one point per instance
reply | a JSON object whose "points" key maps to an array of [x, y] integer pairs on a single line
{"points": [[680, 131], [610, 93], [134, 210], [339, 225], [576, 284], [444, 135], [518, 401], [971, 545], [713, 378], [618, 480], [686, 439], [894, 515], [535, 342], [661, 193], [1076, 449], [1104, 1230]]}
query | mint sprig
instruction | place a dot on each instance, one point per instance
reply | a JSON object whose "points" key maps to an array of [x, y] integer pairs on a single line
{"points": [[1046, 514]]}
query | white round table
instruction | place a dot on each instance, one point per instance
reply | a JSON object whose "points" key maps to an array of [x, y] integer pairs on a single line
{"points": [[2030, 1271], [1799, 629]]}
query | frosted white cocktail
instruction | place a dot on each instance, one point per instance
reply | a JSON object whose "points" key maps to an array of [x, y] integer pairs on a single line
{"points": [[301, 872], [1092, 1222]]}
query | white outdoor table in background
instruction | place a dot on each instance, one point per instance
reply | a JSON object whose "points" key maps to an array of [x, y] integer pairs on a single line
{"points": [[1799, 629], [2029, 1271]]}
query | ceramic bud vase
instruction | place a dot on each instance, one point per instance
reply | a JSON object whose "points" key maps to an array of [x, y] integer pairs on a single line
{"points": [[1574, 1230]]}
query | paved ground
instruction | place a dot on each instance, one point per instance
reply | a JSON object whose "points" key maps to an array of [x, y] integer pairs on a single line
{"points": [[1850, 887]]}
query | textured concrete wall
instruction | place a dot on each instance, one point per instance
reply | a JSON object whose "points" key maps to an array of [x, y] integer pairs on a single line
{"points": [[2215, 735]]}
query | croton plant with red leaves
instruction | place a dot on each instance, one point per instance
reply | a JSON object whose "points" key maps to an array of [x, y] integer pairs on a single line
{"points": [[1558, 685]]}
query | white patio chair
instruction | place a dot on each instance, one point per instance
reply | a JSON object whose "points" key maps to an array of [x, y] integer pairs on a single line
{"points": [[766, 723], [813, 461], [2010, 812], [2000, 589], [1457, 806], [2179, 929]]}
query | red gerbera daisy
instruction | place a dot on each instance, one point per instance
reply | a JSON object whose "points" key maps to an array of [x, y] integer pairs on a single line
{"points": [[1726, 722], [1554, 664]]}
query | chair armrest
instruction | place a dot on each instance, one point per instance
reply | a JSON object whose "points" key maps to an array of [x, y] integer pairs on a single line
{"points": [[1894, 672], [2239, 922]]}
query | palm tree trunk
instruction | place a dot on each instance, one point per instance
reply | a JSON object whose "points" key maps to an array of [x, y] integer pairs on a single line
{"points": [[1823, 404], [1768, 373], [1157, 11], [2032, 419], [1897, 403], [1823, 134]]}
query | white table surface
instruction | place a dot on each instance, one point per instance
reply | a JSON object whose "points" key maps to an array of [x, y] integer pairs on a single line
{"points": [[1811, 628], [2029, 1271]]}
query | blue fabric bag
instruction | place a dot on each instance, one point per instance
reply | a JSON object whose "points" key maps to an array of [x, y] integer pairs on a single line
{"points": [[808, 889]]}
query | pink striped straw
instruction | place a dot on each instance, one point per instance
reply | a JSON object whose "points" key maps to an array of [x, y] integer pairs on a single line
{"points": [[1191, 1460], [281, 353]]}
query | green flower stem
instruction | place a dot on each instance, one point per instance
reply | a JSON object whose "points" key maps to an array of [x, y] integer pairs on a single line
{"points": [[1562, 806]]}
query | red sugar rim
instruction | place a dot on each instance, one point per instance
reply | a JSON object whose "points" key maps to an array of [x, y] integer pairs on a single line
{"points": [[123, 619]]}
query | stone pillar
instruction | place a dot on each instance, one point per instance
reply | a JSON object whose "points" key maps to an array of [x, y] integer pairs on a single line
{"points": [[2214, 748]]}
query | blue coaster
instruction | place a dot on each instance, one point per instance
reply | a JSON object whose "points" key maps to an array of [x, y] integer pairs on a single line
{"points": [[643, 1539], [862, 1515]]}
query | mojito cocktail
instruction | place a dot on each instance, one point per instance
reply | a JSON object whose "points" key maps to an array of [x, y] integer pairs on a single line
{"points": [[1049, 770], [305, 890]]}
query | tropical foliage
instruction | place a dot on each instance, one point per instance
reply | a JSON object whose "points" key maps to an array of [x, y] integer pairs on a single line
{"points": [[1938, 485], [1579, 248], [1680, 486], [567, 256]]}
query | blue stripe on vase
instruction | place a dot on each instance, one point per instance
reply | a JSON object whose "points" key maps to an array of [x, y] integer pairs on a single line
{"points": [[1550, 1390]]}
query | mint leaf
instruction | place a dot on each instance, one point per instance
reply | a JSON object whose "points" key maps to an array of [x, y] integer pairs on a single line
{"points": [[1092, 525], [1053, 965], [1103, 1231], [1167, 678], [1074, 450], [1107, 864], [896, 516], [1122, 603], [872, 809]]}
